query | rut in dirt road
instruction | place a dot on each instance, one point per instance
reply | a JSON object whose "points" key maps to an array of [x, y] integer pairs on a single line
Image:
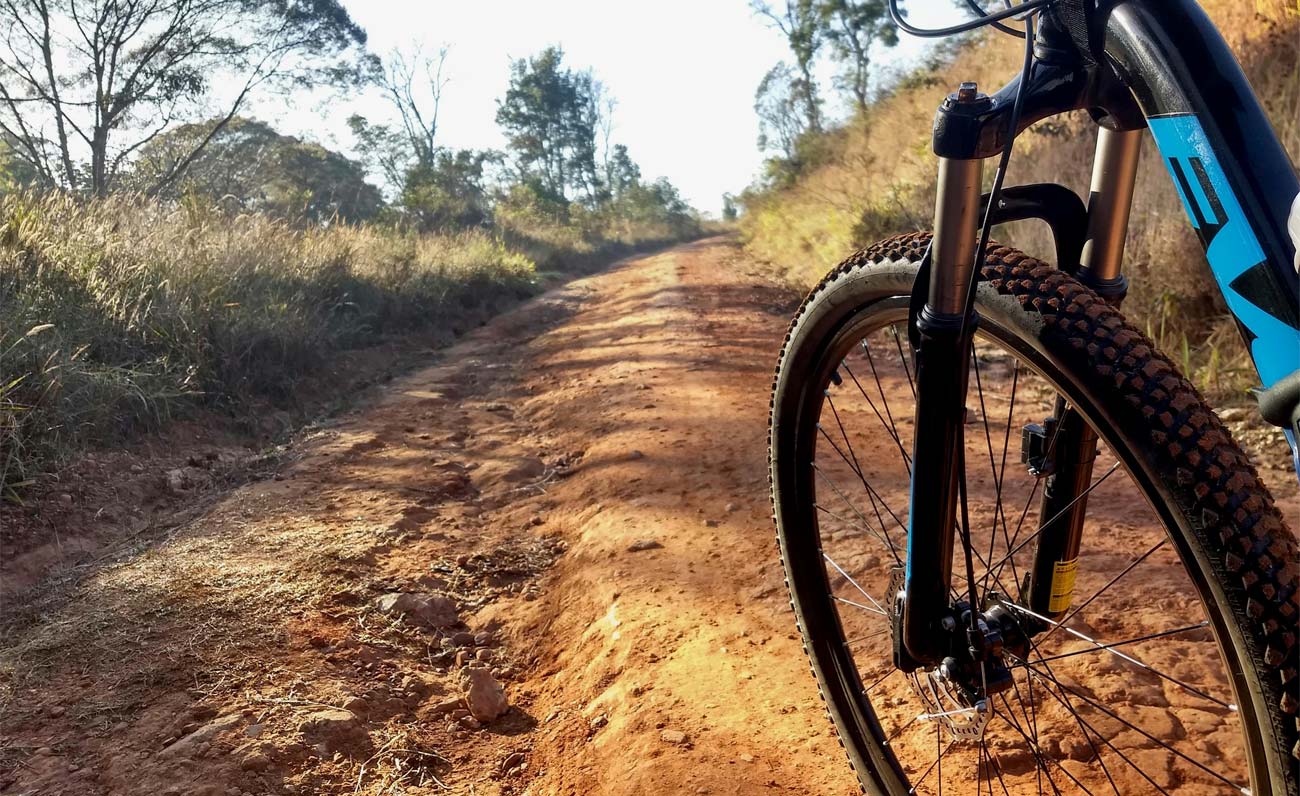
{"points": [[584, 480]]}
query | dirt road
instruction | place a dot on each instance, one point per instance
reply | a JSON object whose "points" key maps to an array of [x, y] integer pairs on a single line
{"points": [[584, 478], [626, 410]]}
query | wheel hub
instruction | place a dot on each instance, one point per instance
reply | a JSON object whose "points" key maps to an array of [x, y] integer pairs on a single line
{"points": [[957, 691]]}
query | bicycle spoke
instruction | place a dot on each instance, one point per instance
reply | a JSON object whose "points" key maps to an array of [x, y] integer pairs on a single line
{"points": [[1122, 656], [1040, 756], [916, 785], [1077, 719], [857, 466], [903, 359], [871, 531], [888, 424], [859, 639], [1100, 591], [1102, 709], [1126, 642], [860, 476], [867, 608], [1057, 516], [993, 469], [850, 579], [854, 508]]}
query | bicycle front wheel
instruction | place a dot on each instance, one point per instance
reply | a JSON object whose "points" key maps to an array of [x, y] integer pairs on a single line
{"points": [[1173, 669]]}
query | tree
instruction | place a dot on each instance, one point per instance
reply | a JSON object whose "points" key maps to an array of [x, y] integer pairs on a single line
{"points": [[413, 85], [248, 162], [621, 172], [85, 84], [449, 192], [385, 151], [436, 188], [15, 174], [780, 123], [801, 22], [550, 115], [851, 27], [730, 207]]}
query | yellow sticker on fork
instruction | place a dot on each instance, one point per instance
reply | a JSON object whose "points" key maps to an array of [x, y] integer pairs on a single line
{"points": [[1062, 593]]}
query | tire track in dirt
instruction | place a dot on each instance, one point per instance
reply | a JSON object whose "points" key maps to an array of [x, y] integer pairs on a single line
{"points": [[624, 410]]}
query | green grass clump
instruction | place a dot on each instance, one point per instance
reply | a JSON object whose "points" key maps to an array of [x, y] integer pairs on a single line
{"points": [[119, 313]]}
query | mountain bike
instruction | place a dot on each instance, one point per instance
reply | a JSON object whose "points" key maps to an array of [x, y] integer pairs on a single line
{"points": [[1024, 554]]}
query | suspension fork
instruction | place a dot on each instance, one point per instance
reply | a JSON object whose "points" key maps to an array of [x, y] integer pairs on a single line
{"points": [[941, 374], [1072, 445], [942, 356]]}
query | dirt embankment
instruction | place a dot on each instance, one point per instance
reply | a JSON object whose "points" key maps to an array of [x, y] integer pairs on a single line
{"points": [[584, 477]]}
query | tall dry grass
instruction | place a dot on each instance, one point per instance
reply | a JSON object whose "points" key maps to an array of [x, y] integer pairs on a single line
{"points": [[119, 313], [878, 179]]}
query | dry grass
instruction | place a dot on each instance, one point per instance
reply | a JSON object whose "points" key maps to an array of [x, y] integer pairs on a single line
{"points": [[879, 179], [120, 313]]}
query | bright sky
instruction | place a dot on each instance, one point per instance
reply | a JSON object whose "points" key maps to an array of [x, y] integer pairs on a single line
{"points": [[683, 72]]}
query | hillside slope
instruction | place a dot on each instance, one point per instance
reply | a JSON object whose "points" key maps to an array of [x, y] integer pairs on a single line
{"points": [[876, 178]]}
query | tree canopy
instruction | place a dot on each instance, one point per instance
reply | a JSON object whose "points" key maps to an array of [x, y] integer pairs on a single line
{"points": [[247, 162], [85, 85], [550, 115]]}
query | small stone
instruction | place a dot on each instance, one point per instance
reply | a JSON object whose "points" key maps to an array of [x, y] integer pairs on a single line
{"points": [[175, 481], [136, 468], [425, 610], [513, 760], [484, 655], [65, 499], [459, 713], [470, 723], [710, 523], [57, 711], [746, 758], [254, 730], [674, 737], [448, 705], [484, 695], [643, 544], [634, 455], [357, 705], [730, 507], [44, 751], [462, 639], [483, 638], [334, 731], [256, 761], [1077, 750], [599, 721]]}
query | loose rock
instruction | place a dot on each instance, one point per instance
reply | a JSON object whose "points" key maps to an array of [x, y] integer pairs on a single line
{"points": [[425, 610], [643, 544], [336, 731], [674, 737], [484, 695]]}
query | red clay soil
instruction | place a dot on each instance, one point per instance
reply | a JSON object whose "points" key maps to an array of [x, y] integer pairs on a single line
{"points": [[585, 478]]}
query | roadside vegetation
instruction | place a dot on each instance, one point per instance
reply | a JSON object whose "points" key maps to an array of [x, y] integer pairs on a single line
{"points": [[831, 188], [153, 263]]}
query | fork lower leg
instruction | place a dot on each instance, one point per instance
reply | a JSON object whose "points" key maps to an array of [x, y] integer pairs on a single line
{"points": [[941, 373]]}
